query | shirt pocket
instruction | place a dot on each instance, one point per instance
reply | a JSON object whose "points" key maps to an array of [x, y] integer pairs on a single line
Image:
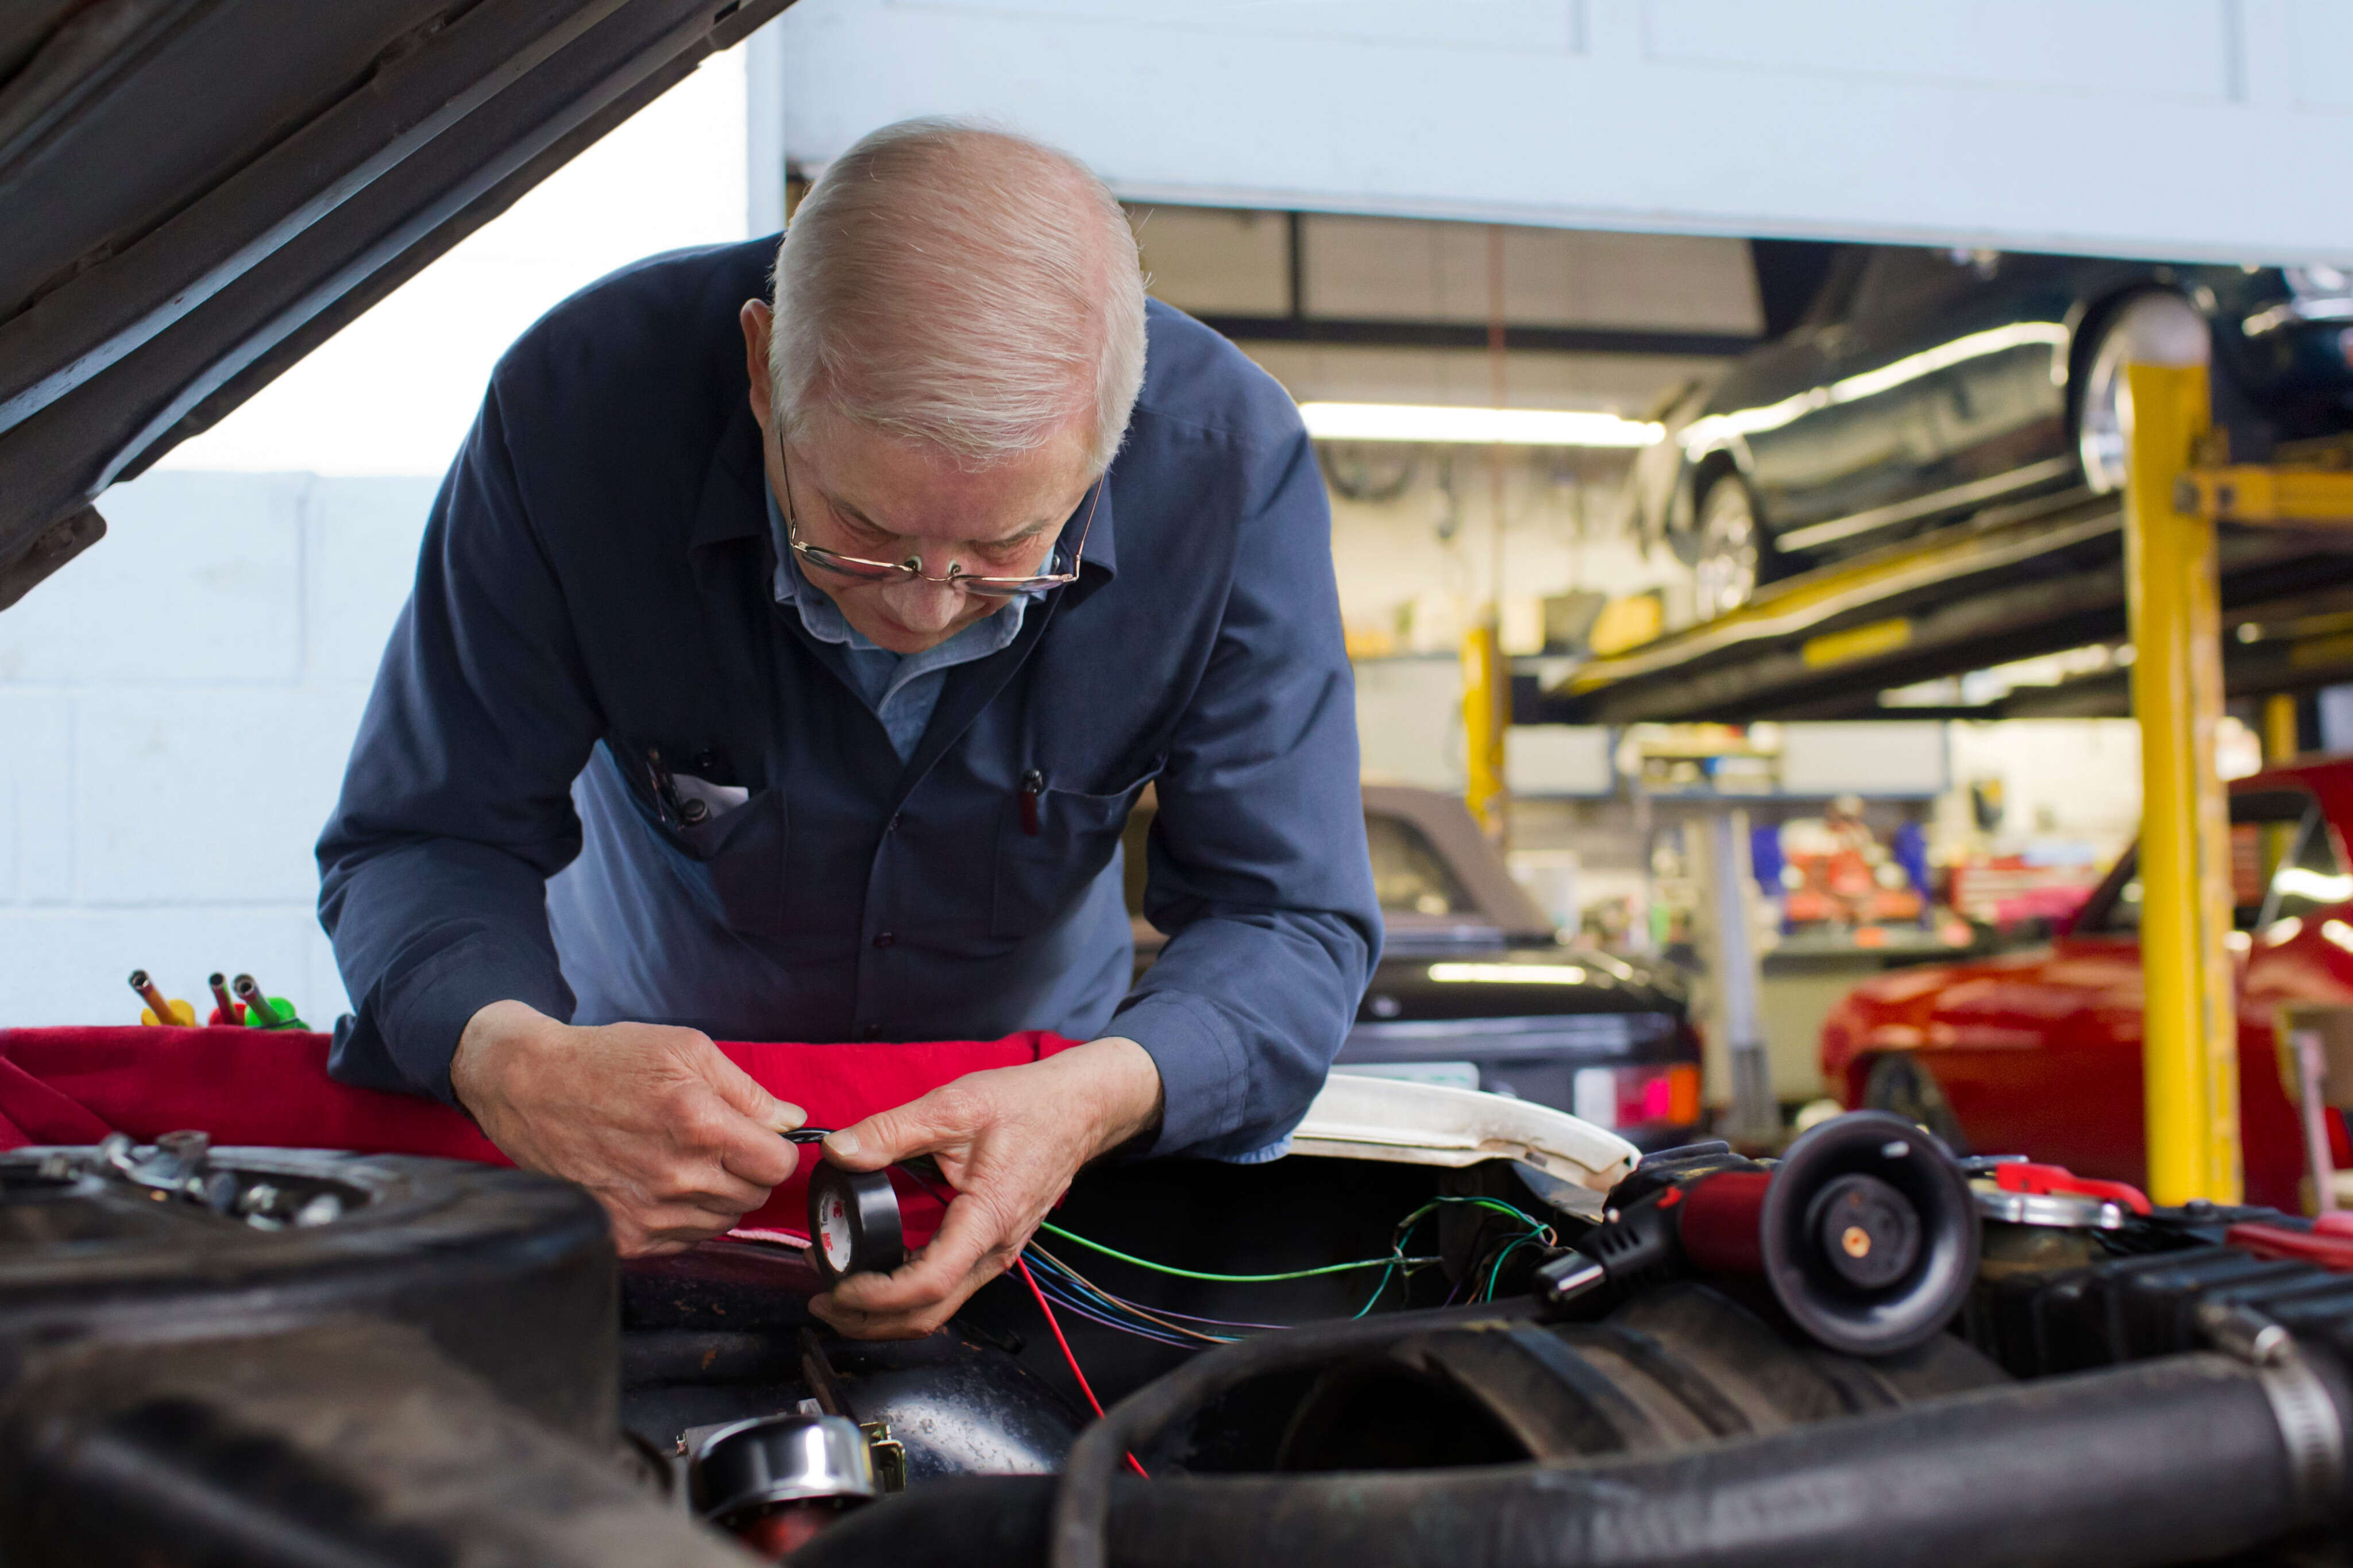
{"points": [[733, 860], [1042, 876], [740, 858]]}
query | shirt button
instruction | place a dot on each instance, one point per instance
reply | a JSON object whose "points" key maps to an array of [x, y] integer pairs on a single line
{"points": [[883, 939]]}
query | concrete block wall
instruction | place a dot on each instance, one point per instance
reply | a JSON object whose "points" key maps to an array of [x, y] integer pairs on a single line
{"points": [[176, 709]]}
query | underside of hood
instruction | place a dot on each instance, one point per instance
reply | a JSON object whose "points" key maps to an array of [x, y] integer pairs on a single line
{"points": [[194, 193]]}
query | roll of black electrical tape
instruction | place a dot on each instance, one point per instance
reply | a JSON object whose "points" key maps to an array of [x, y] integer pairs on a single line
{"points": [[853, 1223]]}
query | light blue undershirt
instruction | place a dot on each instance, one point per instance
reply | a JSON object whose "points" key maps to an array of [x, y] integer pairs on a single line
{"points": [[901, 688]]}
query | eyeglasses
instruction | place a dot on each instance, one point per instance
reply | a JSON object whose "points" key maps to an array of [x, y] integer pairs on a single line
{"points": [[911, 570]]}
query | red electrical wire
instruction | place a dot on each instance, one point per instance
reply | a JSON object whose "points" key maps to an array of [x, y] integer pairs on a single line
{"points": [[1051, 1322]]}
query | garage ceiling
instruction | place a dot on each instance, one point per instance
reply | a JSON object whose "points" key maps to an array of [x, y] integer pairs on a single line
{"points": [[2180, 129]]}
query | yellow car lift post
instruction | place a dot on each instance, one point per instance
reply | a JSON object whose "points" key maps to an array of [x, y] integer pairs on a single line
{"points": [[2189, 1028], [2172, 505], [1486, 718]]}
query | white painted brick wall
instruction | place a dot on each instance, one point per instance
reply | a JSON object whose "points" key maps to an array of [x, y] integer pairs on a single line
{"points": [[175, 709]]}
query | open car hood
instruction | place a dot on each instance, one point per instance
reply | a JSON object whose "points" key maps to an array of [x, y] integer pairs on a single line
{"points": [[194, 193]]}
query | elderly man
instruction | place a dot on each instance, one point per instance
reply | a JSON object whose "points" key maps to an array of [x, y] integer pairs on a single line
{"points": [[788, 672]]}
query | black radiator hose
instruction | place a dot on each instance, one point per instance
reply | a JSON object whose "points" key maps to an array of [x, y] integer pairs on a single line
{"points": [[2177, 1460]]}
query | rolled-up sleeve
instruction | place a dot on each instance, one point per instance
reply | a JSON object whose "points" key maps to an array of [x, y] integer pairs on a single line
{"points": [[1257, 863], [456, 808]]}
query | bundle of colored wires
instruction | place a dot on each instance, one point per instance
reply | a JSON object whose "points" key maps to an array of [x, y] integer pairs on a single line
{"points": [[1056, 1281], [1053, 1282]]}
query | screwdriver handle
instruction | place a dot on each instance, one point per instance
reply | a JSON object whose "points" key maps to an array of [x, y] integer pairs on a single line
{"points": [[226, 1008], [161, 1009], [256, 1005]]}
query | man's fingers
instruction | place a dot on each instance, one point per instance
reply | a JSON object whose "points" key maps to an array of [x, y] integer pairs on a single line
{"points": [[718, 1192], [769, 1168], [919, 1127], [744, 1093], [970, 1250], [707, 1124], [861, 1319], [644, 1231], [760, 1157]]}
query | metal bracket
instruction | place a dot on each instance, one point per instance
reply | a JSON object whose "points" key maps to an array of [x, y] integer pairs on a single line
{"points": [[889, 1454], [2250, 492]]}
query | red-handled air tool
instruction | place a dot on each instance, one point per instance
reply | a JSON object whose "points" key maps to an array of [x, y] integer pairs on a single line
{"points": [[1865, 1232]]}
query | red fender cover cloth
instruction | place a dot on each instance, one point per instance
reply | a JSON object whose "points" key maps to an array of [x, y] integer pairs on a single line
{"points": [[272, 1088]]}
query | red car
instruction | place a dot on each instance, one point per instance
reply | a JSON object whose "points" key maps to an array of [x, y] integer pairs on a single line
{"points": [[2040, 1052]]}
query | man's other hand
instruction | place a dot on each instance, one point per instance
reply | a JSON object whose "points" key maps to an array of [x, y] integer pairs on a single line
{"points": [[676, 1142], [1008, 1141]]}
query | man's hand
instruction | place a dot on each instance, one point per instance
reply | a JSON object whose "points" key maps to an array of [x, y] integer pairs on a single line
{"points": [[676, 1141], [1008, 1141]]}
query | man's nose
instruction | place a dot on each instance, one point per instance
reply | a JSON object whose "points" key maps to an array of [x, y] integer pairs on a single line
{"points": [[927, 607]]}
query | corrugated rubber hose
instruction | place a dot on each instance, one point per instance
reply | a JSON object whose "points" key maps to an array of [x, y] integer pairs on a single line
{"points": [[2166, 1461]]}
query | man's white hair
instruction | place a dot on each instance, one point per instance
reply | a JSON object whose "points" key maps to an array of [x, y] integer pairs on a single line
{"points": [[959, 286]]}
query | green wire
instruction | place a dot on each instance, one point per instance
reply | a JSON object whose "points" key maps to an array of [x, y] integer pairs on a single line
{"points": [[1379, 1290], [1387, 1266], [1383, 1263], [1500, 1258], [1495, 1204]]}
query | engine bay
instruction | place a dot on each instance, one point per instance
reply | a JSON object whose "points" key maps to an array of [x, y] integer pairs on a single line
{"points": [[1867, 1350]]}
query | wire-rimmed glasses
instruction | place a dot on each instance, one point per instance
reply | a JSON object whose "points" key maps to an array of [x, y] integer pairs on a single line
{"points": [[911, 570]]}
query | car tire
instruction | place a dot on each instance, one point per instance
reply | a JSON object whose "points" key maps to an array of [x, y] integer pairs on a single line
{"points": [[1899, 1084], [1730, 554], [511, 1274], [2155, 327]]}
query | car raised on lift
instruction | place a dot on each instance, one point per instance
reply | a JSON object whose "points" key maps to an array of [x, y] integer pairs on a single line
{"points": [[1925, 385]]}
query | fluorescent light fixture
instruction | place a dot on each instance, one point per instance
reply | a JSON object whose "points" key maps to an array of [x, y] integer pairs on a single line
{"points": [[1509, 973], [1474, 427], [2317, 887]]}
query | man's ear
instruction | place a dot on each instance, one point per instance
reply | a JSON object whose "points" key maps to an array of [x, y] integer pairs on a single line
{"points": [[756, 318]]}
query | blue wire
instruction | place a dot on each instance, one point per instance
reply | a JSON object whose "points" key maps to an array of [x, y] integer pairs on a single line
{"points": [[1083, 1310], [1124, 1318], [1048, 1260]]}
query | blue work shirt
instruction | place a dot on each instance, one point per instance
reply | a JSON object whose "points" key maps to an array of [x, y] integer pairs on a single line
{"points": [[595, 611]]}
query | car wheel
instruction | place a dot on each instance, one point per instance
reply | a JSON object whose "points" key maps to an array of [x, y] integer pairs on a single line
{"points": [[2153, 328], [1900, 1085], [1731, 550]]}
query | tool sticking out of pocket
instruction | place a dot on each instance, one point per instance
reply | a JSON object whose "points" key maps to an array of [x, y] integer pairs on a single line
{"points": [[853, 1215]]}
